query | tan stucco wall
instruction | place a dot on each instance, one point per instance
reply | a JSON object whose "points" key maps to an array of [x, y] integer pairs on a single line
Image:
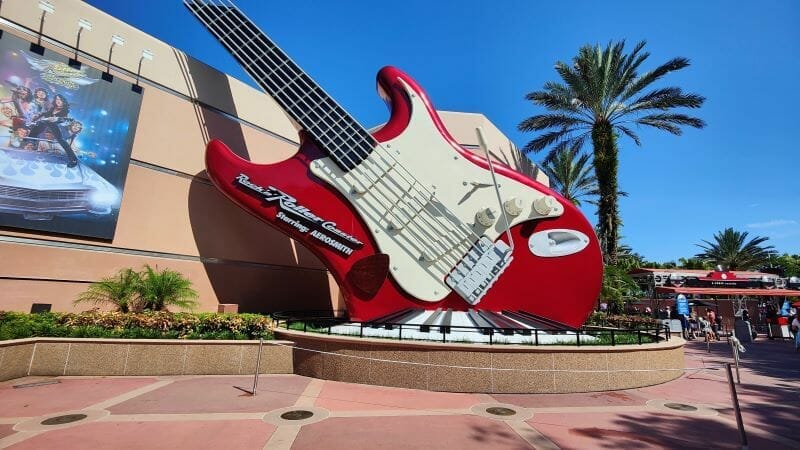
{"points": [[454, 367], [137, 357], [170, 215]]}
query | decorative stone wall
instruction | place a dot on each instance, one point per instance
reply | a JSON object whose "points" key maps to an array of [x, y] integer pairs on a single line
{"points": [[57, 356], [483, 368]]}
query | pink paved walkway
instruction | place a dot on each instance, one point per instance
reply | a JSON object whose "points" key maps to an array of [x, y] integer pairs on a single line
{"points": [[210, 413]]}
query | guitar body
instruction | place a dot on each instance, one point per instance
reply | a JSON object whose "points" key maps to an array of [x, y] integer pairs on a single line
{"points": [[296, 197]]}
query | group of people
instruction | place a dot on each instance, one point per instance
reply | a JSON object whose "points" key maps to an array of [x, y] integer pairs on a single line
{"points": [[709, 325], [40, 124]]}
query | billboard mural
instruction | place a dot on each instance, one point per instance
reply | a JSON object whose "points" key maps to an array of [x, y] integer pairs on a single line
{"points": [[65, 143]]}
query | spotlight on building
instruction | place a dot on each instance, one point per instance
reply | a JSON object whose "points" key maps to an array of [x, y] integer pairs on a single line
{"points": [[146, 55], [115, 40], [47, 8], [83, 24]]}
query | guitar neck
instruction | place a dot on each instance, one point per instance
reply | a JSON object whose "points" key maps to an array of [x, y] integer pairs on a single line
{"points": [[341, 136]]}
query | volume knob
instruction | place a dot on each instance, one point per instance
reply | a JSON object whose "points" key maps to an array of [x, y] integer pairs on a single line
{"points": [[543, 206], [486, 217], [513, 206]]}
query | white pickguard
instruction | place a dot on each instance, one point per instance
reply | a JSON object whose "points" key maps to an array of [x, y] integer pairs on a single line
{"points": [[426, 238]]}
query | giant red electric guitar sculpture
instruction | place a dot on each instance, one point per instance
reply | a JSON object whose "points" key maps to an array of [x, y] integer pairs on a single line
{"points": [[404, 217]]}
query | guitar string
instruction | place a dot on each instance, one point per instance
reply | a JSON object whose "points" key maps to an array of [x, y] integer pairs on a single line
{"points": [[220, 23], [422, 244], [422, 241], [415, 184]]}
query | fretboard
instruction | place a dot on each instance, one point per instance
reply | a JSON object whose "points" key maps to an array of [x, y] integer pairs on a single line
{"points": [[341, 136]]}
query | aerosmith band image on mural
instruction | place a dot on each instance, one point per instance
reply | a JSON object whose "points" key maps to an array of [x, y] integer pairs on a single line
{"points": [[65, 143]]}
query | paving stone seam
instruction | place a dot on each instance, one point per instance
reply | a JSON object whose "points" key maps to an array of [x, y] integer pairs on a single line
{"points": [[105, 404], [531, 435], [310, 394], [402, 412], [590, 409], [283, 437], [378, 404], [13, 420], [181, 417], [18, 437]]}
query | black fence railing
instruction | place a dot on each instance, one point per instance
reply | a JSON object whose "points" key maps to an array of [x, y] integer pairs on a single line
{"points": [[317, 322]]}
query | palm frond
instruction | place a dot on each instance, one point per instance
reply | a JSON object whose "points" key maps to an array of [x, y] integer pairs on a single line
{"points": [[120, 291], [545, 121], [732, 250], [648, 78], [547, 139], [165, 288], [571, 175], [628, 132], [663, 99], [670, 122]]}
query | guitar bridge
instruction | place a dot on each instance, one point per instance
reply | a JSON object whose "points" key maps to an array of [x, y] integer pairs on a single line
{"points": [[477, 271]]}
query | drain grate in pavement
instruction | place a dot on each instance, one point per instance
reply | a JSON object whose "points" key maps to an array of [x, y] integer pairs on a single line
{"points": [[680, 406], [61, 420], [500, 411], [298, 414]]}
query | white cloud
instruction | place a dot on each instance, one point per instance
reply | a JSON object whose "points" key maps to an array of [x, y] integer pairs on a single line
{"points": [[772, 223]]}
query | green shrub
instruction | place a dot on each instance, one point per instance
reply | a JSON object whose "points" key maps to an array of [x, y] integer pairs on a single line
{"points": [[148, 290], [145, 325], [629, 322]]}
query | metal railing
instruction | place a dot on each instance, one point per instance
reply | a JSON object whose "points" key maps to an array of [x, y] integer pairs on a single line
{"points": [[316, 322]]}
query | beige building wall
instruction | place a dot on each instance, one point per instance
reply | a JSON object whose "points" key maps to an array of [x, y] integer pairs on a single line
{"points": [[171, 216]]}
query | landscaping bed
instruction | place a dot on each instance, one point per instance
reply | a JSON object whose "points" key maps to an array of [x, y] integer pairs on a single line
{"points": [[142, 325]]}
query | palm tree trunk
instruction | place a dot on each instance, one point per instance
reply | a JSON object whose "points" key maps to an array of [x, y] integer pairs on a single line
{"points": [[606, 162]]}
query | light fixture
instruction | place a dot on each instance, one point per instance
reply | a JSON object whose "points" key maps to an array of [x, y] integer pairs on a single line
{"points": [[148, 55], [115, 40], [47, 8], [83, 24]]}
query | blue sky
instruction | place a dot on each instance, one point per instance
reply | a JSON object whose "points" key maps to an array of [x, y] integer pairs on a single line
{"points": [[741, 171]]}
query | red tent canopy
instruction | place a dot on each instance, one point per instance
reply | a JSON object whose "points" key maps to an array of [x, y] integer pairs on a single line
{"points": [[728, 291]]}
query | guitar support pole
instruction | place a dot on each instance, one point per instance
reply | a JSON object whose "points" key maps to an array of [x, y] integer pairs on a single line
{"points": [[485, 148]]}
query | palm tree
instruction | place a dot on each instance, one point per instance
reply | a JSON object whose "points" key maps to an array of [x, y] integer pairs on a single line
{"points": [[120, 290], [571, 177], [617, 288], [730, 250], [694, 263], [161, 289], [601, 95]]}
